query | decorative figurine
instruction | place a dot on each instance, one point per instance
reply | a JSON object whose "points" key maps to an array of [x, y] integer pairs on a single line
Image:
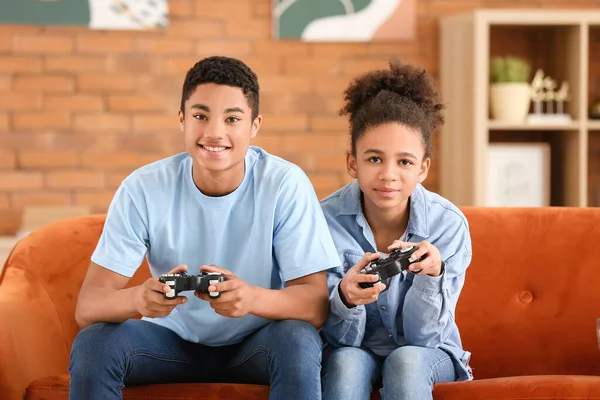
{"points": [[537, 91], [561, 96], [543, 90]]}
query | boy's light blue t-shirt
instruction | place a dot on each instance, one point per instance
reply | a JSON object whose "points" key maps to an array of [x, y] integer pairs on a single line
{"points": [[270, 230]]}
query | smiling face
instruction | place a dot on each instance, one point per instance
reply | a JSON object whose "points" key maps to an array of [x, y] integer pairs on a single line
{"points": [[218, 127], [389, 162]]}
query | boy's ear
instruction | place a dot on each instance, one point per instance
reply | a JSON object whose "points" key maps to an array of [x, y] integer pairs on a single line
{"points": [[256, 126], [351, 164], [424, 169]]}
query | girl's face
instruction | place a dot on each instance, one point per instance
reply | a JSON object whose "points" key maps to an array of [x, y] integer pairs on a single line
{"points": [[388, 164]]}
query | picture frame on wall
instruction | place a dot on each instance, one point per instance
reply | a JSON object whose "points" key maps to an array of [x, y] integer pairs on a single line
{"points": [[344, 20], [518, 175], [94, 14]]}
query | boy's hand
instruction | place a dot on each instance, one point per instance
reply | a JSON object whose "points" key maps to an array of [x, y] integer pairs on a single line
{"points": [[149, 297], [237, 297], [351, 293]]}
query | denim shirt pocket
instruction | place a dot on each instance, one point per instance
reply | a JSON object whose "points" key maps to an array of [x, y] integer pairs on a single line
{"points": [[350, 257]]}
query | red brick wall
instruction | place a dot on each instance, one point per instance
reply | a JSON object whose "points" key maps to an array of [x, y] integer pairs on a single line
{"points": [[80, 109]]}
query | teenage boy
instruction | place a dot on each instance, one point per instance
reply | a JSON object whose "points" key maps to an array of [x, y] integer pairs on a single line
{"points": [[222, 206]]}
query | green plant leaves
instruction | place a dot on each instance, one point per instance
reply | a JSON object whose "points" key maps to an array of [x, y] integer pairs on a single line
{"points": [[509, 69]]}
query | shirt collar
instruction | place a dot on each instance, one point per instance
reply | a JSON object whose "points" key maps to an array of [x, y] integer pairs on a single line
{"points": [[418, 223]]}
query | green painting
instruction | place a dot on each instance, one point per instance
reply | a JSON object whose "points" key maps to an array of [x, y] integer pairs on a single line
{"points": [[95, 14], [344, 20]]}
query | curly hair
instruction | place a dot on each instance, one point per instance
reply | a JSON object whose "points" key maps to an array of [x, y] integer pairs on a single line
{"points": [[222, 71], [403, 94]]}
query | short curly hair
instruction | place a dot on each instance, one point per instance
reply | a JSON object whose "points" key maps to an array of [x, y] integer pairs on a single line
{"points": [[403, 94], [222, 71]]}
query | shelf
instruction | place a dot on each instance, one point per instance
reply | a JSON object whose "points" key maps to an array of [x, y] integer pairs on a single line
{"points": [[532, 17], [594, 73], [502, 126], [554, 49], [566, 46], [594, 124]]}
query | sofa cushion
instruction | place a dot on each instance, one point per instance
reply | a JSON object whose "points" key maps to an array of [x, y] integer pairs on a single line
{"points": [[545, 387], [524, 387], [530, 300], [57, 388]]}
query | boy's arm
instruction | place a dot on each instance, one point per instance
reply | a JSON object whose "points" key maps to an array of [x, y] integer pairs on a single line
{"points": [[119, 253], [304, 250], [102, 297], [304, 299]]}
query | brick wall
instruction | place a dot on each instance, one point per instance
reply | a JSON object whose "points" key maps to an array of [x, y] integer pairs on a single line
{"points": [[80, 109]]}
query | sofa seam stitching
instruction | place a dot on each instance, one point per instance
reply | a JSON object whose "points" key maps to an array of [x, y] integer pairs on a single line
{"points": [[62, 327]]}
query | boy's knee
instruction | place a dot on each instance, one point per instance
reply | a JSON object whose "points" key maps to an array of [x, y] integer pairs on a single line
{"points": [[98, 341], [296, 333], [89, 338], [88, 351], [296, 344]]}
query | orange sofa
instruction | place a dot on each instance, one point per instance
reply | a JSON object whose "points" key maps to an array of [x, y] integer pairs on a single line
{"points": [[527, 312]]}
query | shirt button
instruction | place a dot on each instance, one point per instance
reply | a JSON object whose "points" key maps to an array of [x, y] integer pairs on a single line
{"points": [[383, 308], [345, 263]]}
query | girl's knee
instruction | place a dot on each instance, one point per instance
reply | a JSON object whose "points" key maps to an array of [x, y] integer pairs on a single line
{"points": [[415, 358], [348, 372], [349, 363]]}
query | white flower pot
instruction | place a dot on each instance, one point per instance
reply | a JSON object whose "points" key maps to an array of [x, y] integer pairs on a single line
{"points": [[510, 102]]}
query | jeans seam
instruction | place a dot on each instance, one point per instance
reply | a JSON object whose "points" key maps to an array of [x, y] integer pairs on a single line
{"points": [[259, 349], [155, 356], [129, 356], [434, 368]]}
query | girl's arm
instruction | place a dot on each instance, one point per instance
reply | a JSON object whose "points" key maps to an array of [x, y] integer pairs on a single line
{"points": [[430, 303]]}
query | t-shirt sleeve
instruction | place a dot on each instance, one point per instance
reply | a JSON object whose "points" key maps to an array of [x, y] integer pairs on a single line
{"points": [[302, 241], [123, 243]]}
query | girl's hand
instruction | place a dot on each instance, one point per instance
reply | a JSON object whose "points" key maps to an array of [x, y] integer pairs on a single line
{"points": [[432, 263], [351, 293]]}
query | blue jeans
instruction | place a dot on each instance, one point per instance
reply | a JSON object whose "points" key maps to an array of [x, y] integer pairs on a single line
{"points": [[106, 357], [408, 372]]}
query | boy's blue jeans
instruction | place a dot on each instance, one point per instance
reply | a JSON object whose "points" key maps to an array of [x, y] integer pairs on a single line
{"points": [[409, 372], [106, 357]]}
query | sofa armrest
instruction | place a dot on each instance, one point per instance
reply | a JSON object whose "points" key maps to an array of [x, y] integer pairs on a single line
{"points": [[32, 340]]}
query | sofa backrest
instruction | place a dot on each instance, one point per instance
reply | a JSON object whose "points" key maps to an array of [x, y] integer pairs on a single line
{"points": [[532, 292], [529, 304], [56, 257]]}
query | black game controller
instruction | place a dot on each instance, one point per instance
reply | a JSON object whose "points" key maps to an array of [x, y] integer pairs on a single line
{"points": [[181, 282], [397, 262]]}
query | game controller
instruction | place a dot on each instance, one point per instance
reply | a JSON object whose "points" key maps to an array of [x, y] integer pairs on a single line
{"points": [[398, 261], [181, 282]]}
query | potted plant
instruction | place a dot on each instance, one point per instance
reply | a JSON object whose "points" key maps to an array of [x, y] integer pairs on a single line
{"points": [[510, 91]]}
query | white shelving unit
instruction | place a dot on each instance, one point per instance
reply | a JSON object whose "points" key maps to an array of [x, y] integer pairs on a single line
{"points": [[556, 41]]}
